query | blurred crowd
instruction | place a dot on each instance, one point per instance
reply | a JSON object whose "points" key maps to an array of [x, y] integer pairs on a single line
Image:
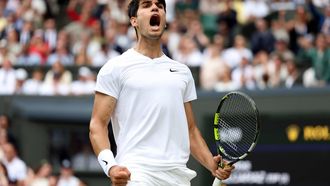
{"points": [[233, 44], [14, 171], [55, 47]]}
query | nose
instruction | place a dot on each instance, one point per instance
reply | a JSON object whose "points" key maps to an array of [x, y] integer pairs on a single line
{"points": [[154, 7]]}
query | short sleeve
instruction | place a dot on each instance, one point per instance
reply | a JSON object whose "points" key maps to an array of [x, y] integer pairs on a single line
{"points": [[108, 81], [190, 92]]}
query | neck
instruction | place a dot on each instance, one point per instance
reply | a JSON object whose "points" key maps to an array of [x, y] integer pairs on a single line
{"points": [[149, 48]]}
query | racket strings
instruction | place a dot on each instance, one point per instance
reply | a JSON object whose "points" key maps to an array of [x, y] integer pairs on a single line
{"points": [[237, 126]]}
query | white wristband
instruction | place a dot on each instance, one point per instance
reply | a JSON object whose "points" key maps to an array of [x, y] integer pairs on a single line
{"points": [[106, 160]]}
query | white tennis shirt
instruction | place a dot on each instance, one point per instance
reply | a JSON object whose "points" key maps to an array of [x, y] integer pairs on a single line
{"points": [[149, 121]]}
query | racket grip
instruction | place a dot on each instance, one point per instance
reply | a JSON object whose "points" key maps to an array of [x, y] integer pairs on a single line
{"points": [[216, 182]]}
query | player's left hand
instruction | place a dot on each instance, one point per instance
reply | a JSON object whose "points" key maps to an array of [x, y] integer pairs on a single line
{"points": [[222, 173]]}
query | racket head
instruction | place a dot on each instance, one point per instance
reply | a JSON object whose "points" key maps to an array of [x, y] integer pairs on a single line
{"points": [[236, 126]]}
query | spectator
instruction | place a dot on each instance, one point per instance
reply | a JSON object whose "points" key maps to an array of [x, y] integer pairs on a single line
{"points": [[197, 34], [225, 83], [26, 33], [227, 22], [21, 76], [302, 24], [3, 175], [13, 45], [243, 75], [17, 169], [3, 140], [85, 83], [263, 38], [38, 49], [7, 78], [5, 53], [282, 50], [110, 39], [67, 177], [57, 80], [320, 57], [233, 56], [33, 85], [325, 28], [5, 124], [85, 160], [174, 36], [50, 33], [188, 53], [254, 9], [277, 71], [61, 54], [294, 77], [213, 65], [43, 175], [261, 70], [100, 57]]}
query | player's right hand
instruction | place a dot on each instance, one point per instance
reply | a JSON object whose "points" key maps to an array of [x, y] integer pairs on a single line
{"points": [[119, 175]]}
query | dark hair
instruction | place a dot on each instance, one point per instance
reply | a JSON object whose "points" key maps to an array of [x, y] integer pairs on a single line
{"points": [[133, 7]]}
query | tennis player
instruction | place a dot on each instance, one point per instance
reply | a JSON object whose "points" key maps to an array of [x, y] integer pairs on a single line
{"points": [[148, 98]]}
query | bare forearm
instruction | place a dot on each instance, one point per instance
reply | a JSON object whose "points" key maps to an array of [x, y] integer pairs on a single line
{"points": [[200, 150], [98, 135]]}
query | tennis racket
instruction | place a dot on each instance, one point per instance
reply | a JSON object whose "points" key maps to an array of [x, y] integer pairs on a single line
{"points": [[236, 128]]}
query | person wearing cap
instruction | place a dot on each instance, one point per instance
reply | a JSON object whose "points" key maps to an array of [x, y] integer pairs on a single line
{"points": [[67, 177], [85, 83], [21, 76]]}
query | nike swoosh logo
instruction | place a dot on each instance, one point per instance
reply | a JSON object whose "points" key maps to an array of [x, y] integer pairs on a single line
{"points": [[106, 163], [173, 70]]}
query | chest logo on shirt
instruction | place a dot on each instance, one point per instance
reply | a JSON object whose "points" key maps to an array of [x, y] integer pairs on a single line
{"points": [[173, 70]]}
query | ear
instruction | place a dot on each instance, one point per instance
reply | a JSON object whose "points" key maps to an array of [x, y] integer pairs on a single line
{"points": [[133, 21]]}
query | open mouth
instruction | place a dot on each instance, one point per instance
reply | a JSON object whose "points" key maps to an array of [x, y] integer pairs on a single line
{"points": [[155, 20]]}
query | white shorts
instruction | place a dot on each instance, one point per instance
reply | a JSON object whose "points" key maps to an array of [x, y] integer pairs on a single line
{"points": [[172, 177]]}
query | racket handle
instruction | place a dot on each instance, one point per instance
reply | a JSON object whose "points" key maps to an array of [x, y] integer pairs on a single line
{"points": [[216, 182]]}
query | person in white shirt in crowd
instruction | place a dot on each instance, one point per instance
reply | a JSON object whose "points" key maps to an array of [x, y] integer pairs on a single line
{"points": [[213, 65], [188, 52], [21, 76], [255, 9], [173, 35], [233, 56], [17, 169], [57, 80], [85, 83], [261, 69], [225, 82], [7, 78], [277, 71], [32, 86], [243, 75], [67, 177]]}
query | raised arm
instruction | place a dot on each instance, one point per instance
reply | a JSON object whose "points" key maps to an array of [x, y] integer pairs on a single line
{"points": [[200, 150]]}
